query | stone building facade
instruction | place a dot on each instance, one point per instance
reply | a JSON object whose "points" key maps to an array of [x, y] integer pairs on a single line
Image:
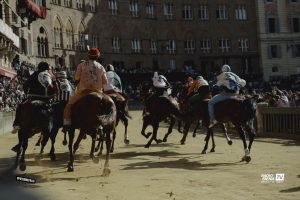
{"points": [[279, 37], [149, 34]]}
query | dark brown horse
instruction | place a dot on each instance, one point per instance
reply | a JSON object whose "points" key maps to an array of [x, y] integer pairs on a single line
{"points": [[93, 114], [35, 116], [239, 112]]}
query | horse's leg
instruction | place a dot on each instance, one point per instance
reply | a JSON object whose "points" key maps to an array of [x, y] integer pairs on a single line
{"points": [[185, 131], [79, 138], [38, 143], [197, 126], [226, 134], [106, 170], [65, 142], [251, 132], [146, 122], [45, 137], [18, 147], [113, 141], [155, 128], [22, 164], [213, 141], [179, 126], [243, 137], [93, 136], [71, 138], [172, 122], [53, 138], [100, 138], [207, 137], [126, 138]]}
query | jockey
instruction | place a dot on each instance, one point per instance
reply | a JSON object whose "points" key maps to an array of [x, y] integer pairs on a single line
{"points": [[64, 87], [161, 85], [38, 86], [114, 86], [194, 91], [92, 77], [231, 83]]}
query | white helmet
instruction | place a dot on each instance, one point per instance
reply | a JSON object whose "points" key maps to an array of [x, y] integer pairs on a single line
{"points": [[226, 68]]}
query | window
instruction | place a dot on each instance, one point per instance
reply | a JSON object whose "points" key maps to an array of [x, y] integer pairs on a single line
{"points": [[79, 4], [23, 45], [270, 1], [224, 44], [205, 45], [173, 64], [171, 46], [243, 44], [272, 25], [203, 12], [42, 43], [295, 22], [153, 46], [67, 3], [95, 41], [93, 5], [113, 6], [69, 36], [275, 69], [136, 45], [222, 13], [296, 50], [189, 46], [187, 12], [240, 12], [134, 8], [82, 41], [274, 51], [294, 1], [57, 2], [150, 7], [116, 45], [169, 11]]}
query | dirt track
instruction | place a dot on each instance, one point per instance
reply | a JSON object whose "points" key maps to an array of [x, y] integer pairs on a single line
{"points": [[165, 171]]}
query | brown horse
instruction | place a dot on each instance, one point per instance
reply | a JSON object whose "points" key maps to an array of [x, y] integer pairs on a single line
{"points": [[93, 114], [35, 116], [239, 112]]}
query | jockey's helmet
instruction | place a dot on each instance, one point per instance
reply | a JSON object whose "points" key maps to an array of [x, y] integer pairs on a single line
{"points": [[199, 78], [110, 67], [226, 68], [42, 66], [61, 74], [94, 53]]}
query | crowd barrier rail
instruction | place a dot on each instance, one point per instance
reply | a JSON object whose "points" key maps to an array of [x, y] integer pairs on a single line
{"points": [[6, 121]]}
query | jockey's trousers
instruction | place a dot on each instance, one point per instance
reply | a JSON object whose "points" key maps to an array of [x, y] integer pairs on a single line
{"points": [[216, 99], [73, 99]]}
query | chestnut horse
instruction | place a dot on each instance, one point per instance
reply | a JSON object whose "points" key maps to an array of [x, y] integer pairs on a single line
{"points": [[93, 114]]}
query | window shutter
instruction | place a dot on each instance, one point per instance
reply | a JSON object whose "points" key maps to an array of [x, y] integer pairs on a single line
{"points": [[277, 28], [269, 52], [267, 24], [278, 51]]}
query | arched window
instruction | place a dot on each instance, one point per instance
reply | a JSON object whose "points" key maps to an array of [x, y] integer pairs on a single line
{"points": [[69, 36], [58, 34], [82, 38], [42, 43]]}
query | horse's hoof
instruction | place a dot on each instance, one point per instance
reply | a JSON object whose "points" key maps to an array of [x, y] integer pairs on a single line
{"points": [[158, 141], [212, 150], [203, 152], [52, 157], [111, 151], [230, 142], [165, 140], [147, 146], [70, 168], [65, 142], [15, 149], [96, 149], [106, 172], [84, 137], [180, 131], [194, 135], [22, 167], [37, 144], [182, 142], [126, 141], [247, 159], [96, 160]]}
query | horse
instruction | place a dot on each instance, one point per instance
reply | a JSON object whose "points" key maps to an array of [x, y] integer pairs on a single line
{"points": [[94, 114], [199, 113], [242, 117], [35, 116], [123, 116]]}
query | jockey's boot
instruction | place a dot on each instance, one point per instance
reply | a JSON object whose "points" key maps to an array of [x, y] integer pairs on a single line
{"points": [[212, 123]]}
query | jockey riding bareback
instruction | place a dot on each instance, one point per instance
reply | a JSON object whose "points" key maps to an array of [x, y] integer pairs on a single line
{"points": [[231, 84], [114, 86], [91, 76]]}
